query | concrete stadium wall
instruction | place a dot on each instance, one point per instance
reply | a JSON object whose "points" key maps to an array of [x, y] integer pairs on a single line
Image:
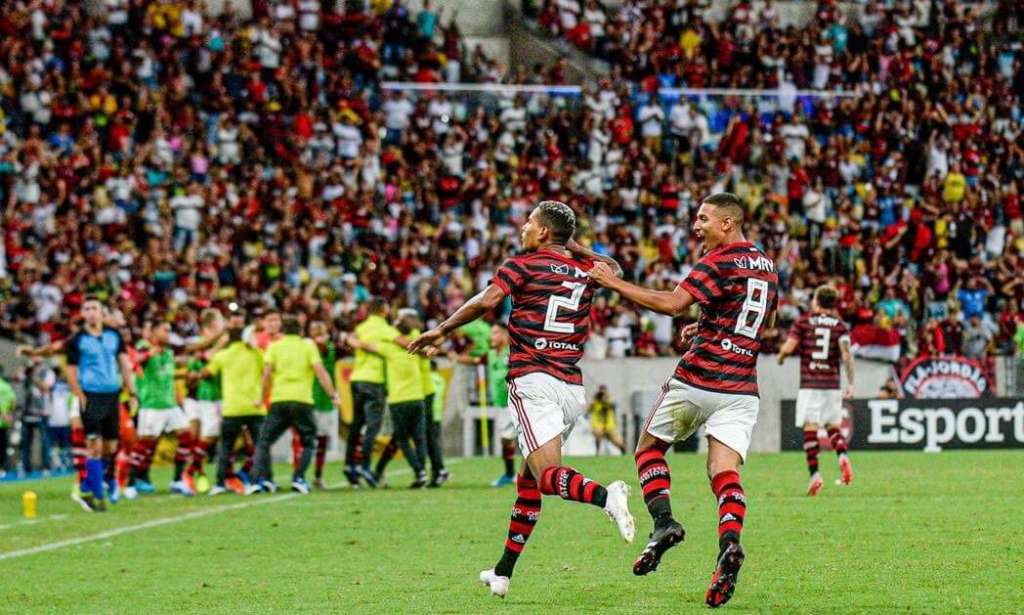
{"points": [[634, 383]]}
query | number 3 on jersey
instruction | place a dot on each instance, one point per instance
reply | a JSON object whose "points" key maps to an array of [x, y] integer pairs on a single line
{"points": [[755, 305], [572, 302]]}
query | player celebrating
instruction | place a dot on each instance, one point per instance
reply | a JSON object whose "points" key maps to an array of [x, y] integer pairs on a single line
{"points": [[549, 324], [822, 339], [203, 409], [159, 412], [715, 383]]}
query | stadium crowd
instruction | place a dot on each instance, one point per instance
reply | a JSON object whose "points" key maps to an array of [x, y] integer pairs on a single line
{"points": [[170, 160]]}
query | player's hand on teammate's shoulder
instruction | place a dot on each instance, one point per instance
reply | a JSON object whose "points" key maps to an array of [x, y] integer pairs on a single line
{"points": [[601, 273]]}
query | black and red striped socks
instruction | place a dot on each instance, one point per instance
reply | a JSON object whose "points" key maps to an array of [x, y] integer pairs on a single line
{"points": [[78, 452], [183, 454], [569, 484], [732, 505], [140, 457], [525, 513], [200, 451], [838, 441], [811, 449], [655, 482]]}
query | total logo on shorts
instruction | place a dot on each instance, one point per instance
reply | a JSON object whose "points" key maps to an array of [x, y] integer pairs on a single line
{"points": [[728, 346]]}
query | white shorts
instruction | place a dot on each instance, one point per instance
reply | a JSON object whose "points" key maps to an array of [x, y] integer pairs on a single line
{"points": [[820, 406], [326, 423], [208, 415], [74, 409], [681, 409], [504, 427], [154, 423], [542, 408]]}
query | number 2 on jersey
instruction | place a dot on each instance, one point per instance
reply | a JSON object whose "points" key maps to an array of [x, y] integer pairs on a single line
{"points": [[572, 302], [755, 305]]}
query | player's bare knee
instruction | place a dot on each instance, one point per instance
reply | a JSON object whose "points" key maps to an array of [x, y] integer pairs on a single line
{"points": [[810, 427]]}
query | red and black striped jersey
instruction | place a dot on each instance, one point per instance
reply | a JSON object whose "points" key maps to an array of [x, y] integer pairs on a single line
{"points": [[550, 320], [818, 337], [737, 288]]}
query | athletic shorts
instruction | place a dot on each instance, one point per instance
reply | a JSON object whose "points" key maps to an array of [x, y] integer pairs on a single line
{"points": [[208, 415], [682, 408], [100, 418], [820, 406], [154, 423], [543, 408], [74, 408], [504, 426], [326, 422]]}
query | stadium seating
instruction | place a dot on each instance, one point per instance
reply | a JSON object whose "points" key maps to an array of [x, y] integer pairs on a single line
{"points": [[169, 159]]}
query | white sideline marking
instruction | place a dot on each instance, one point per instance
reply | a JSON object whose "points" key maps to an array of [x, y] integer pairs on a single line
{"points": [[70, 542], [32, 521]]}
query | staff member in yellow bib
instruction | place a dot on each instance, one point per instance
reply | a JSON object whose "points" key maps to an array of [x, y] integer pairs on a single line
{"points": [[368, 390], [405, 396], [291, 363], [240, 369]]}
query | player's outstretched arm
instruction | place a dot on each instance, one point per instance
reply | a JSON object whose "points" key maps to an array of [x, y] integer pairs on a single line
{"points": [[787, 348], [482, 303], [576, 248], [673, 303]]}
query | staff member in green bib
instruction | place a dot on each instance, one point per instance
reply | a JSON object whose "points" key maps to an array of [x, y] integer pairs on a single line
{"points": [[290, 364], [240, 369], [325, 412], [368, 390], [405, 396]]}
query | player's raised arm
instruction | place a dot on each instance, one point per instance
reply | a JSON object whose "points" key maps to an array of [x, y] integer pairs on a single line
{"points": [[576, 248], [673, 303], [482, 303]]}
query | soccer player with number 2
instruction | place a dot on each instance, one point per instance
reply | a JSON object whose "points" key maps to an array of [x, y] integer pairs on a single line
{"points": [[550, 322], [715, 383]]}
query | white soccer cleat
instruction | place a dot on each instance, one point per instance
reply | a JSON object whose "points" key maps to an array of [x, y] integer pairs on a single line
{"points": [[617, 508], [180, 487], [498, 584]]}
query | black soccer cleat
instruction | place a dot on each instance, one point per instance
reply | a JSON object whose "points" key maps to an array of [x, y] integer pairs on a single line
{"points": [[421, 480], [662, 539], [723, 581]]}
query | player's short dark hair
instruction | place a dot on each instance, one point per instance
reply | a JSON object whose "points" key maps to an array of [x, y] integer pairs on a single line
{"points": [[235, 334], [729, 204], [290, 325], [826, 296], [377, 304], [558, 218]]}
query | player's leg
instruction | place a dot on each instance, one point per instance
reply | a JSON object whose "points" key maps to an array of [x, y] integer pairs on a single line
{"points": [[386, 455], [374, 410], [673, 408], [525, 514], [141, 454], [811, 450], [193, 413], [231, 428], [418, 425], [305, 425], [729, 430], [723, 471], [832, 417], [808, 412], [352, 440], [275, 424], [402, 419], [437, 469], [326, 423], [506, 427]]}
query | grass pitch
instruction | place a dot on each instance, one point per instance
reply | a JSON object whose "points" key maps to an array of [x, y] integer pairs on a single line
{"points": [[916, 532]]}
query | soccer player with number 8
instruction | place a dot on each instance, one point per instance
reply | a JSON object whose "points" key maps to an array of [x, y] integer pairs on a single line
{"points": [[714, 385]]}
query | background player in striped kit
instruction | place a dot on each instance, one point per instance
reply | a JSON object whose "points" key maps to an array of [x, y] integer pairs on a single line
{"points": [[203, 406], [549, 324], [823, 339], [715, 383]]}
